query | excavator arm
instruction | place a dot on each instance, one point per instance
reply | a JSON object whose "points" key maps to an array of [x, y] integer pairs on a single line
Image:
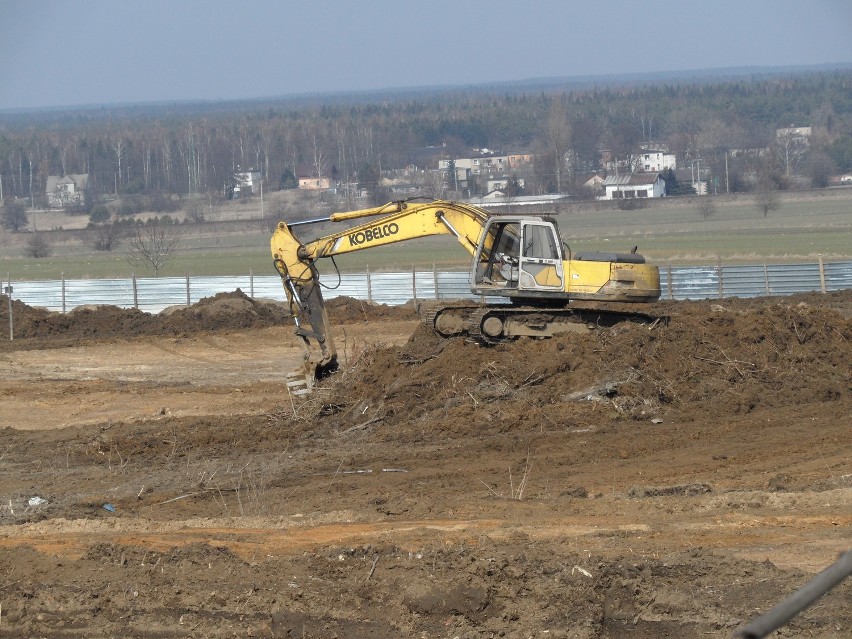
{"points": [[400, 221]]}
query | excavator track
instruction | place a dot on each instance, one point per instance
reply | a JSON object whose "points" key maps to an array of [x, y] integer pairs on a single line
{"points": [[496, 324]]}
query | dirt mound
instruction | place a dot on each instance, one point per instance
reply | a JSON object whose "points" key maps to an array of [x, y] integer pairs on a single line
{"points": [[38, 327], [723, 357], [223, 312], [347, 310], [481, 590]]}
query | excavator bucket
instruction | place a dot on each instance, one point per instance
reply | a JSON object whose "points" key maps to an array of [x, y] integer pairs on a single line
{"points": [[301, 284], [320, 358]]}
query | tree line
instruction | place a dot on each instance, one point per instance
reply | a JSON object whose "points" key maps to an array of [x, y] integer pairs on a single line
{"points": [[156, 152]]}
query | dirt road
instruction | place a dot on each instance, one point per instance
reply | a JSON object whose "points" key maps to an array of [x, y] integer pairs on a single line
{"points": [[674, 479]]}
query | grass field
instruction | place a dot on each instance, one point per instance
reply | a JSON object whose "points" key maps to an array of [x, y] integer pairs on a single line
{"points": [[667, 232]]}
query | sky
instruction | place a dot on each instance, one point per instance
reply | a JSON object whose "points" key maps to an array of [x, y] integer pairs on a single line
{"points": [[57, 53]]}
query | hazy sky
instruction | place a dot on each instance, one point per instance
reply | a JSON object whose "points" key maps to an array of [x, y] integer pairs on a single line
{"points": [[65, 53]]}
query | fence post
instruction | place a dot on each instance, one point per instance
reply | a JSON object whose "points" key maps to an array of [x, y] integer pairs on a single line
{"points": [[8, 291], [369, 286], [187, 289], [821, 274], [251, 283], [62, 275], [135, 292], [766, 277], [721, 286], [671, 291], [414, 283], [435, 279]]}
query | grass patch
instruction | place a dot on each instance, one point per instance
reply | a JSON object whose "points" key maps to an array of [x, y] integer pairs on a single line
{"points": [[670, 231]]}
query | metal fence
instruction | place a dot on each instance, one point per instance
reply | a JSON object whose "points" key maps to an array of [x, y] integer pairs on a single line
{"points": [[678, 283]]}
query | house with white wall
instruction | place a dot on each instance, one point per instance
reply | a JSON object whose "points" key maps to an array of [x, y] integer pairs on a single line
{"points": [[633, 185], [651, 161], [498, 184], [66, 190]]}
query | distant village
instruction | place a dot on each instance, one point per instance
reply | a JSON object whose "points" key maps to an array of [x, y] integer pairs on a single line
{"points": [[486, 177]]}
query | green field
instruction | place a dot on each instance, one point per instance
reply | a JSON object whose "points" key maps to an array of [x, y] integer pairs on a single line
{"points": [[670, 232]]}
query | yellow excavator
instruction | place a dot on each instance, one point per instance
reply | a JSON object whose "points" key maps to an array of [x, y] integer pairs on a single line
{"points": [[521, 258]]}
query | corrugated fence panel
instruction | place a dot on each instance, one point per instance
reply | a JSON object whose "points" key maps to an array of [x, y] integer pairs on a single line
{"points": [[427, 284], [46, 293], [743, 281], [391, 288], [838, 276], [352, 285], [455, 285], [153, 294], [787, 279], [694, 283], [116, 292]]}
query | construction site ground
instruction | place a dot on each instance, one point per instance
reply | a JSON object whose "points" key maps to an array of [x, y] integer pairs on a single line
{"points": [[674, 478]]}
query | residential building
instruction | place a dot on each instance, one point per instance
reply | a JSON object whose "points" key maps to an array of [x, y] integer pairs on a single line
{"points": [[66, 190], [498, 184], [487, 163], [633, 185], [794, 132], [594, 184], [651, 161], [243, 183], [310, 181]]}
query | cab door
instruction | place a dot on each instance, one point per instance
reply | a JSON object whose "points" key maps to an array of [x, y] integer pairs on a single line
{"points": [[541, 266]]}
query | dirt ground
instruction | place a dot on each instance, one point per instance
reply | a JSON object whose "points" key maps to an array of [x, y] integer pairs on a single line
{"points": [[671, 479]]}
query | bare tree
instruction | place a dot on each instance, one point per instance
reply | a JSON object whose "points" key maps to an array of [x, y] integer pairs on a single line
{"points": [[38, 246], [766, 196], [107, 237], [790, 147], [152, 244], [558, 136], [119, 147], [706, 206], [14, 216], [194, 209], [319, 161]]}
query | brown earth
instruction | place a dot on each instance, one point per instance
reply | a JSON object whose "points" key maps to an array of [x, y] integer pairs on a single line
{"points": [[671, 479]]}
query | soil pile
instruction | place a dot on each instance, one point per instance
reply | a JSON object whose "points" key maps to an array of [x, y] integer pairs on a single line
{"points": [[720, 357], [482, 590], [223, 312]]}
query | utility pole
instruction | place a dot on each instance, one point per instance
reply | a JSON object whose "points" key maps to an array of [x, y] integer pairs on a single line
{"points": [[262, 215], [694, 163]]}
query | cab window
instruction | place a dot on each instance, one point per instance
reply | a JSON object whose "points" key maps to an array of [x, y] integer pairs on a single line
{"points": [[539, 242]]}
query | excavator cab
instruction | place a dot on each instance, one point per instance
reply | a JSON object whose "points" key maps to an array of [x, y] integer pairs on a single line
{"points": [[518, 255]]}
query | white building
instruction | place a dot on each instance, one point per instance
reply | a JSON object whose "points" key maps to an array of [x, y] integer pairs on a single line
{"points": [[66, 190], [498, 184], [243, 183], [656, 161], [633, 185]]}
